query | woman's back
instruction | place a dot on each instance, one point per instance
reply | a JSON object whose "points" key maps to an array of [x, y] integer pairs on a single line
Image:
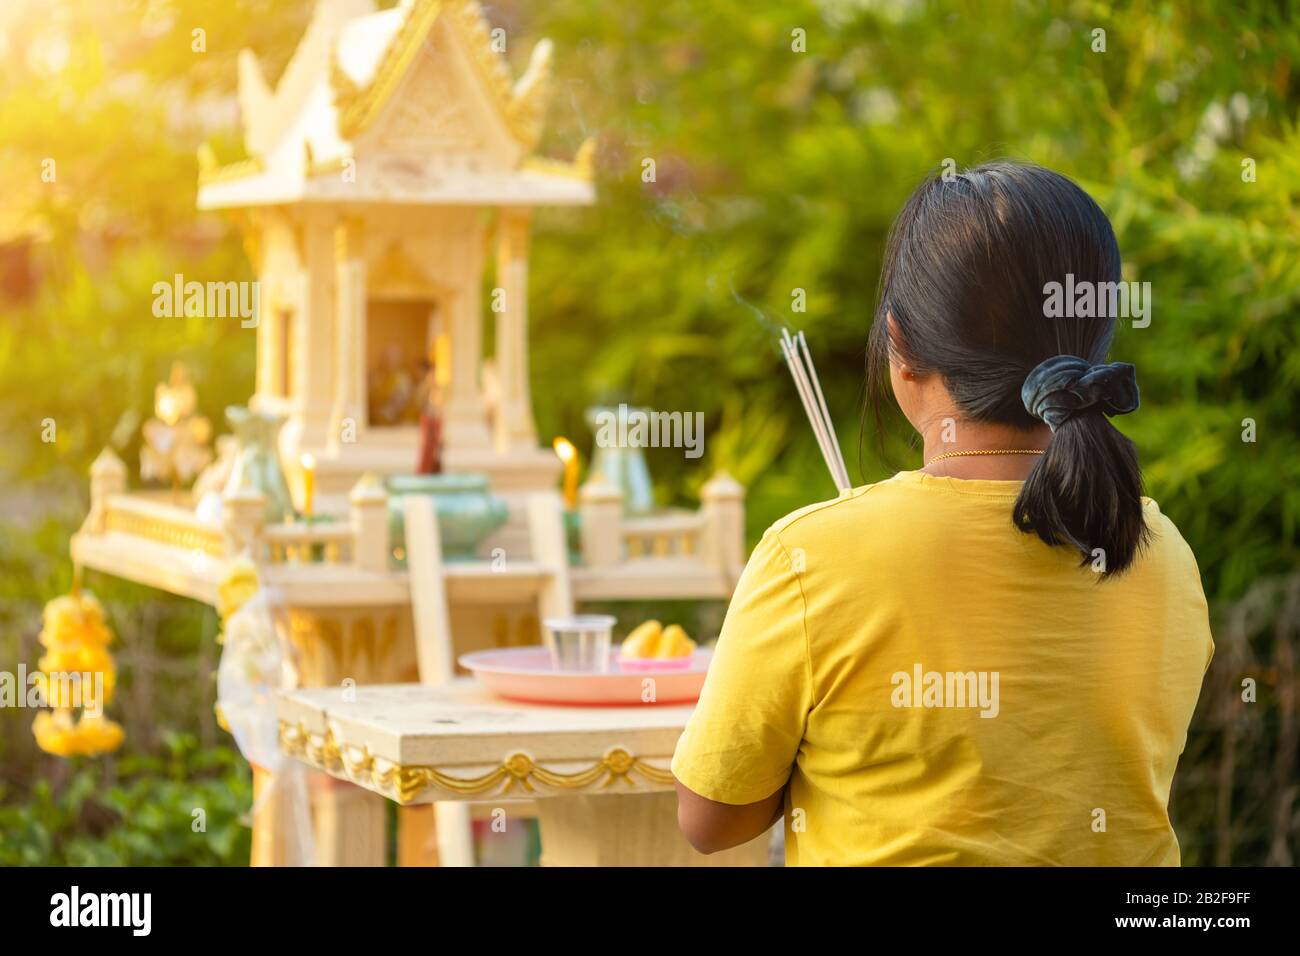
{"points": [[994, 659], [950, 690]]}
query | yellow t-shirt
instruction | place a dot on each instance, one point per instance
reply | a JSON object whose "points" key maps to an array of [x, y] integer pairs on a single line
{"points": [[941, 688]]}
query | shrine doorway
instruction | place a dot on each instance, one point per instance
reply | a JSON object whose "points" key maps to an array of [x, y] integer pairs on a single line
{"points": [[405, 338]]}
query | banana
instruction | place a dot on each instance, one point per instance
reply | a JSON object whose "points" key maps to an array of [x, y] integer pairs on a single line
{"points": [[675, 643], [643, 641], [652, 640]]}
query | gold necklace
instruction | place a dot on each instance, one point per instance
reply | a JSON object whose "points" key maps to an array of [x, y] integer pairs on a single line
{"points": [[993, 451]]}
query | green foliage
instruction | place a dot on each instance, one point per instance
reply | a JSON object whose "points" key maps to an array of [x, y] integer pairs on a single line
{"points": [[1233, 800], [775, 170], [118, 102], [147, 817], [779, 170]]}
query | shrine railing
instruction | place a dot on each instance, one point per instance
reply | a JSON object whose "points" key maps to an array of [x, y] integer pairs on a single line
{"points": [[295, 543], [671, 535], [359, 539], [662, 551], [163, 523], [711, 538]]}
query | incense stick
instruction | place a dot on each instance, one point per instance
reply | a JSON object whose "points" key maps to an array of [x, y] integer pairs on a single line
{"points": [[815, 407], [826, 414], [799, 360], [801, 386]]}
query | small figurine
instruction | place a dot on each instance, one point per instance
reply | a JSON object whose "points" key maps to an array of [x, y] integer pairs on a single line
{"points": [[176, 439], [392, 397]]}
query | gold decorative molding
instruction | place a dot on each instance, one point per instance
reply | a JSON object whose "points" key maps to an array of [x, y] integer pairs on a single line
{"points": [[517, 771], [358, 107], [530, 97], [466, 18], [395, 272], [582, 167], [346, 93], [556, 167], [334, 645], [210, 171], [176, 534]]}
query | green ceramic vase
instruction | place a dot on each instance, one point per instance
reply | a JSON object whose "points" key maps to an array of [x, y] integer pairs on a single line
{"points": [[619, 464], [257, 464], [467, 511]]}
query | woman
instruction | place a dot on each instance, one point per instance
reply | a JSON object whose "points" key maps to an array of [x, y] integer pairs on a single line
{"points": [[991, 660]]}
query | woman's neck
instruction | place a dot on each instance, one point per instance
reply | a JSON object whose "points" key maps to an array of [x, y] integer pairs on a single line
{"points": [[966, 435]]}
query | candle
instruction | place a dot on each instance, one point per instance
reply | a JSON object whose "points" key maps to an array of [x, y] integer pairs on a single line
{"points": [[569, 455], [308, 483]]}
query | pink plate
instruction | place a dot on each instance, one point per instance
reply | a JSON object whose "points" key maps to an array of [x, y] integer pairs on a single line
{"points": [[525, 674], [643, 664]]}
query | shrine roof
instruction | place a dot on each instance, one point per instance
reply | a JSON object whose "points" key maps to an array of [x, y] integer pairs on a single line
{"points": [[539, 184], [414, 104]]}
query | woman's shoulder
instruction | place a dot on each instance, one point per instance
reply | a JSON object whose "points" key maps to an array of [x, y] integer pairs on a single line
{"points": [[911, 509], [844, 514], [1164, 540]]}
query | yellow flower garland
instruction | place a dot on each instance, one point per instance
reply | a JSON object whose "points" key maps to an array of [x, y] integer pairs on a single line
{"points": [[76, 640], [237, 586]]}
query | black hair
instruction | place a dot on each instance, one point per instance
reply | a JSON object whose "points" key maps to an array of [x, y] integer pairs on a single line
{"points": [[965, 277]]}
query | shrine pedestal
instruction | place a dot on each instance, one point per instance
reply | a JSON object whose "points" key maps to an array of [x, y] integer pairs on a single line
{"points": [[598, 776], [638, 829]]}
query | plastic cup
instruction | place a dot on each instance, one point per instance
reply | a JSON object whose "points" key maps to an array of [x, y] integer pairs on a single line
{"points": [[580, 642]]}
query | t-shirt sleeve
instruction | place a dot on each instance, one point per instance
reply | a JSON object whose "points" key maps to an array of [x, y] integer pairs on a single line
{"points": [[742, 739]]}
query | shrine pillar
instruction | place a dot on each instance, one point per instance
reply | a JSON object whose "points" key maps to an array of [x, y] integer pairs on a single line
{"points": [[515, 427], [266, 344], [314, 374], [464, 423], [349, 417]]}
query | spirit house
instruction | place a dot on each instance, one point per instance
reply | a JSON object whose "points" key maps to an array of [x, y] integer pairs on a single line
{"points": [[391, 161], [393, 156]]}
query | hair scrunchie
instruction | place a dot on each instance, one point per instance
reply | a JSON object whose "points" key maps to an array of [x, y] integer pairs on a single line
{"points": [[1063, 386]]}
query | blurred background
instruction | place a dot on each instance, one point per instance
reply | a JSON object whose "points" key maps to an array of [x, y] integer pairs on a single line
{"points": [[778, 169]]}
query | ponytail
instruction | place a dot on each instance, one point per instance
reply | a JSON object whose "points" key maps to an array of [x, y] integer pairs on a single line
{"points": [[965, 293], [1085, 492]]}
